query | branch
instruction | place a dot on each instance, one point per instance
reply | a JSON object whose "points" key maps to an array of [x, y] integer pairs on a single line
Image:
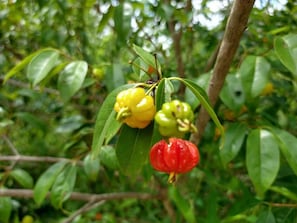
{"points": [[46, 159], [88, 206], [236, 25], [77, 196]]}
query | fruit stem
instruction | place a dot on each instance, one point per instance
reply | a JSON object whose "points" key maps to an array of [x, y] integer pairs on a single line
{"points": [[172, 177], [123, 114]]}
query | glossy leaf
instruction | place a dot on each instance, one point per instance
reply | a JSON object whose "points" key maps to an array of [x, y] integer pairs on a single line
{"points": [[46, 180], [20, 66], [91, 166], [106, 124], [234, 137], [232, 94], [163, 94], [203, 82], [108, 157], [262, 159], [63, 185], [254, 73], [288, 146], [40, 66], [22, 177], [5, 209], [286, 50], [71, 79], [132, 148]]}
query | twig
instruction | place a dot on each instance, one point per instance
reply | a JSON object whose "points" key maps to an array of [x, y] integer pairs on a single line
{"points": [[77, 196], [46, 159], [176, 36], [13, 149], [236, 25], [88, 206], [11, 146]]}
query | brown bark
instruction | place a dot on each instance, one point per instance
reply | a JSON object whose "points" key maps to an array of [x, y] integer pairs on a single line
{"points": [[236, 25]]}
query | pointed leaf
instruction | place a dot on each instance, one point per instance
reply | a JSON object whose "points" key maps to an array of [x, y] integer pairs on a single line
{"points": [[63, 186], [288, 146], [286, 50], [22, 177], [71, 79], [261, 75], [234, 137], [262, 159], [203, 98], [105, 18], [254, 74], [147, 57], [232, 93], [41, 65], [20, 66], [285, 192], [5, 209], [132, 148], [91, 166], [46, 180], [106, 124], [108, 157]]}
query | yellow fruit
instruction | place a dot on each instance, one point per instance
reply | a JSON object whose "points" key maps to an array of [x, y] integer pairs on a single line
{"points": [[268, 89], [27, 219], [98, 73]]}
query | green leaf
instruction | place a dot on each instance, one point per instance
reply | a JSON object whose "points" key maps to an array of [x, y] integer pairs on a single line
{"points": [[5, 209], [106, 124], [33, 120], [232, 93], [202, 81], [22, 177], [132, 148], [147, 57], [262, 159], [105, 18], [41, 65], [266, 217], [288, 146], [46, 180], [234, 136], [91, 166], [20, 66], [203, 98], [160, 98], [285, 192], [72, 78], [114, 77], [286, 50], [108, 157], [63, 185], [182, 204], [254, 73]]}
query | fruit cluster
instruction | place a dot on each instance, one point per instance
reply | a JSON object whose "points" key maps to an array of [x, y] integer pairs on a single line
{"points": [[136, 108]]}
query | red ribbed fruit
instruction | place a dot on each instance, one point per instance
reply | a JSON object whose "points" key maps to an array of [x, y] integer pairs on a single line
{"points": [[177, 156]]}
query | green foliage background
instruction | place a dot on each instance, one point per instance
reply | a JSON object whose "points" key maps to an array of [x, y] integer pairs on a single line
{"points": [[60, 63]]}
